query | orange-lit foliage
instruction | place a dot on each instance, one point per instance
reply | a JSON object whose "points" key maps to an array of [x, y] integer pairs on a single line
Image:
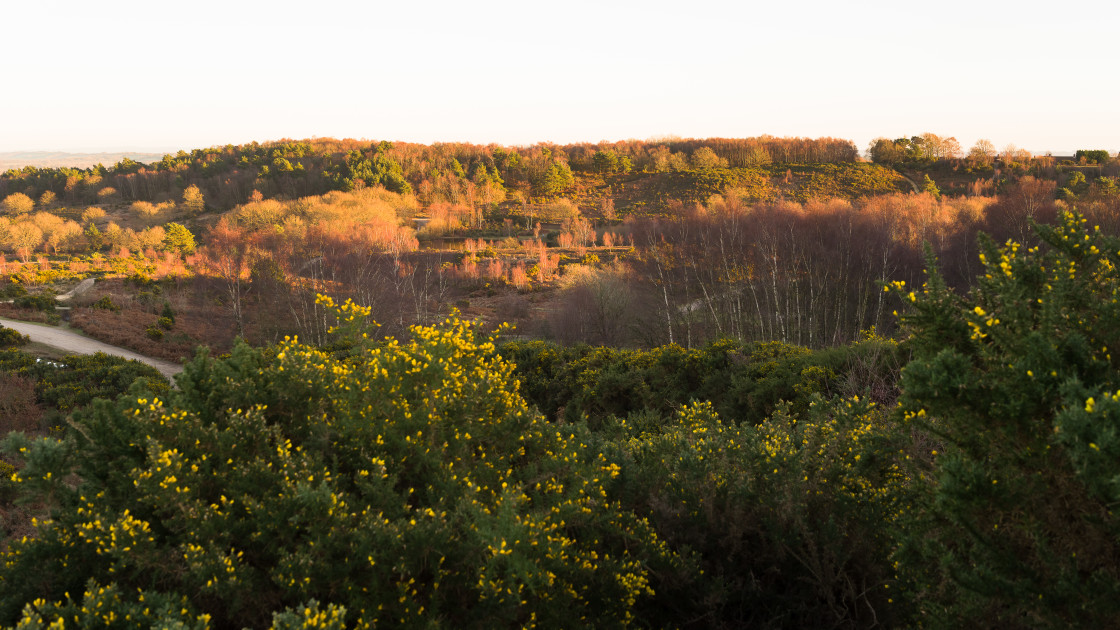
{"points": [[804, 273], [447, 217], [1028, 199], [518, 276], [911, 220]]}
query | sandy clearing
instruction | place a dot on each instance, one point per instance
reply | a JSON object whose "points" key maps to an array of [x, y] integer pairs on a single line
{"points": [[77, 344]]}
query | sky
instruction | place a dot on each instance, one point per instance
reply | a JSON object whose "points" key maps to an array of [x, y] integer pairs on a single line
{"points": [[123, 75]]}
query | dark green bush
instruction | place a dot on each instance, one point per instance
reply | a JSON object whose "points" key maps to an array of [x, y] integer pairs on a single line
{"points": [[788, 521], [106, 303], [1017, 387], [11, 338], [74, 381], [98, 605], [40, 302], [140, 280], [13, 290], [744, 381]]}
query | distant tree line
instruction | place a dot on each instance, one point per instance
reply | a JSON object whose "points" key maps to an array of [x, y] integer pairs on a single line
{"points": [[449, 172]]}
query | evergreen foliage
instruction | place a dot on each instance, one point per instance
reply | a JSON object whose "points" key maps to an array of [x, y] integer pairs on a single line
{"points": [[179, 238], [404, 484], [1094, 156], [11, 338], [74, 381], [1017, 384], [744, 382]]}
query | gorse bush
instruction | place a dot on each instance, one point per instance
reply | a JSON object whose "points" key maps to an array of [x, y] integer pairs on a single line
{"points": [[1017, 385], [106, 303], [788, 521], [11, 338], [107, 606], [39, 302], [778, 491], [77, 269], [404, 484], [13, 290], [74, 381], [744, 381]]}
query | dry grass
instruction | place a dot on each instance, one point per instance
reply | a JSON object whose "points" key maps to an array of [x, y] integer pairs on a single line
{"points": [[22, 314], [198, 321], [15, 522], [19, 410]]}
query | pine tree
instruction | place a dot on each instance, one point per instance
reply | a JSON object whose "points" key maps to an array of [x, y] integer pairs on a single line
{"points": [[929, 186]]}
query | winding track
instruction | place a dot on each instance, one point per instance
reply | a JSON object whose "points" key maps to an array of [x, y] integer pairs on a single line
{"points": [[75, 343]]}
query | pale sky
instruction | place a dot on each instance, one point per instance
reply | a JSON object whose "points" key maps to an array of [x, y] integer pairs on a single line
{"points": [[160, 76]]}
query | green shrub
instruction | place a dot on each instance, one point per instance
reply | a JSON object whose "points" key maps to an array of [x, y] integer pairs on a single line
{"points": [[11, 338], [744, 381], [75, 380], [154, 333], [1016, 384], [13, 290], [106, 303], [789, 521], [165, 323], [40, 302], [107, 606], [7, 486], [140, 280], [409, 484], [179, 238], [151, 296]]}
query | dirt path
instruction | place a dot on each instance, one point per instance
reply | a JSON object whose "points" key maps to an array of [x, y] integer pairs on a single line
{"points": [[77, 344], [913, 184]]}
